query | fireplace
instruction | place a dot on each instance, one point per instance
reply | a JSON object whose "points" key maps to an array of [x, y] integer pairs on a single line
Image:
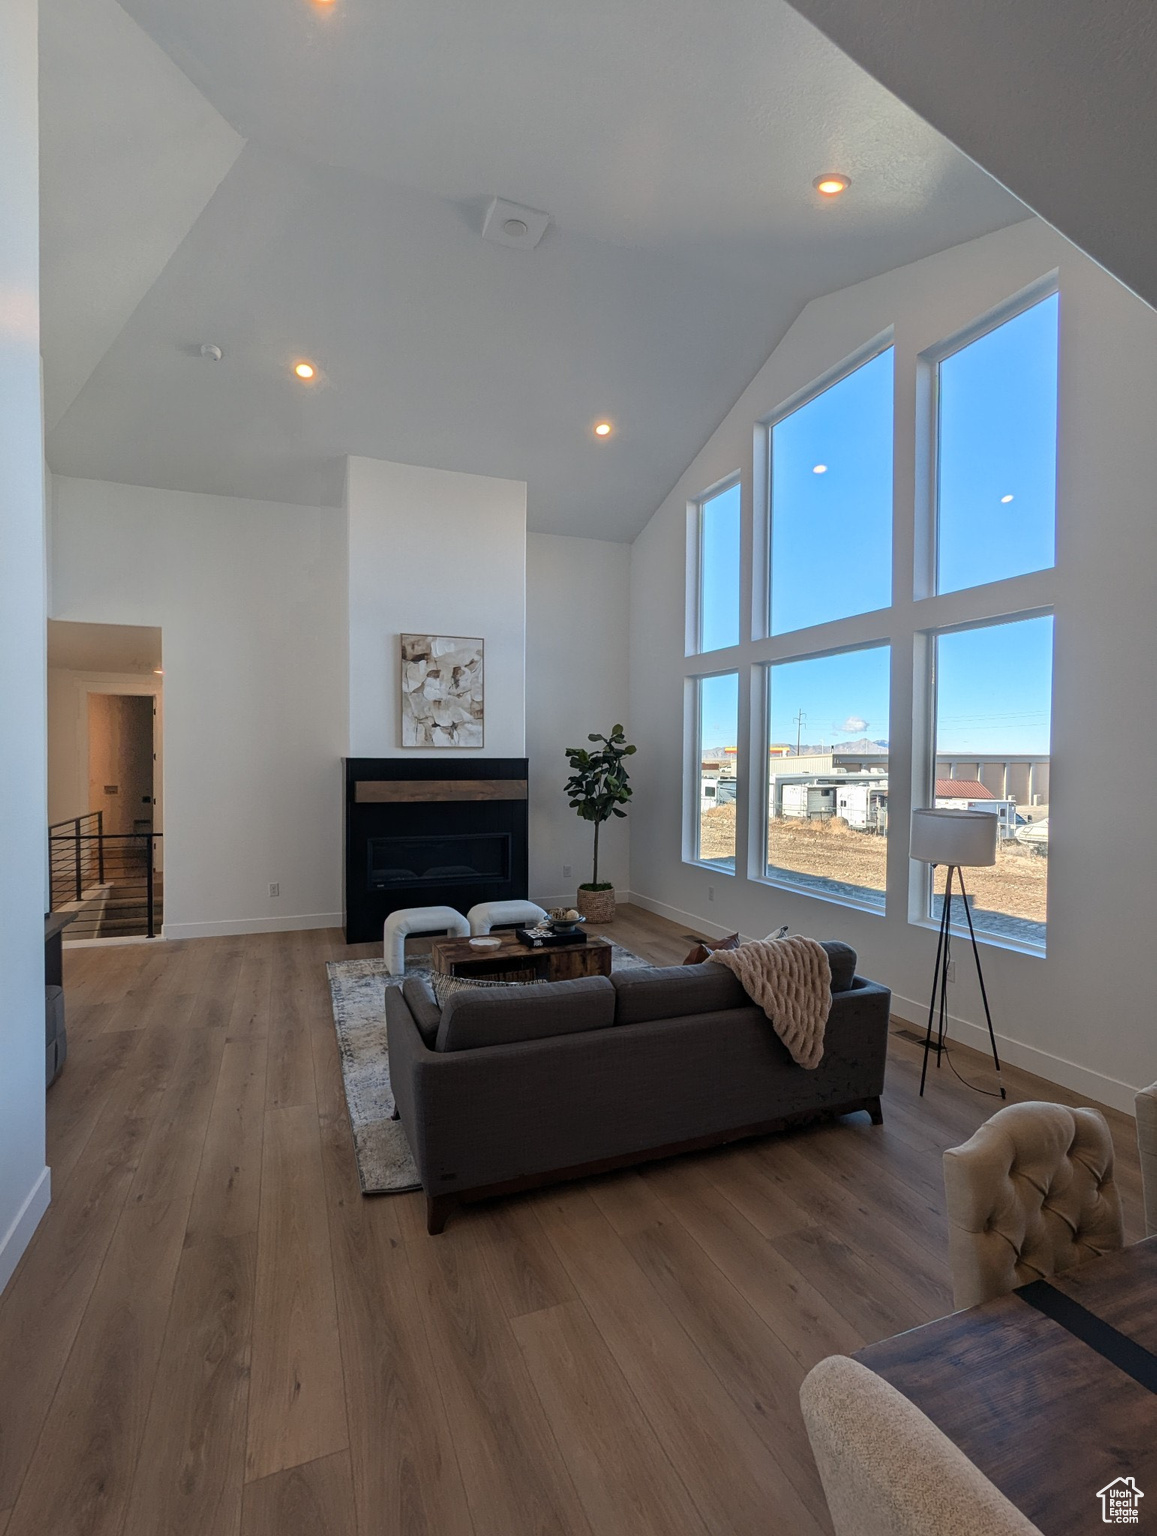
{"points": [[434, 861], [430, 832]]}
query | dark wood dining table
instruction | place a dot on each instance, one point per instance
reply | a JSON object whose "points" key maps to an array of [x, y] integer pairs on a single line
{"points": [[1051, 1391]]}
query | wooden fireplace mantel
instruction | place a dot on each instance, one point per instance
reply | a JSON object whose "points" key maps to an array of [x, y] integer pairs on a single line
{"points": [[424, 791]]}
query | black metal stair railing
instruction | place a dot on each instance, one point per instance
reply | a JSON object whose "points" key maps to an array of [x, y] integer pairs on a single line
{"points": [[110, 879]]}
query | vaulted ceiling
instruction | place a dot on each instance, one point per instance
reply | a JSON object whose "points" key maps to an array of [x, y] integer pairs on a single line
{"points": [[287, 180], [1052, 97]]}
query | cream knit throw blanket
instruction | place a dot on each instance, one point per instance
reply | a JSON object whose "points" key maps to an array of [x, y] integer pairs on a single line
{"points": [[791, 981]]}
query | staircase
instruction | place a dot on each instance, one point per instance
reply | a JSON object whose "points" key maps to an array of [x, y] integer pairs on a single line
{"points": [[109, 879]]}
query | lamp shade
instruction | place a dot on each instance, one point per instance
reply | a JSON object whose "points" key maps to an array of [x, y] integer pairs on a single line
{"points": [[965, 838]]}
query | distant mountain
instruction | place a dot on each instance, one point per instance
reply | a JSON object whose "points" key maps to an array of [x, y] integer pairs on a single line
{"points": [[862, 745]]}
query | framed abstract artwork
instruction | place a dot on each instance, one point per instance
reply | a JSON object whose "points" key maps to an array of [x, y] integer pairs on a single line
{"points": [[443, 698]]}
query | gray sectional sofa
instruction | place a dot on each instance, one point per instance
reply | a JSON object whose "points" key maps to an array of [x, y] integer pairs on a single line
{"points": [[508, 1088]]}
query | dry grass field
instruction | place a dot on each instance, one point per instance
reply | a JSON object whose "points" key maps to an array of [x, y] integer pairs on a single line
{"points": [[1016, 884]]}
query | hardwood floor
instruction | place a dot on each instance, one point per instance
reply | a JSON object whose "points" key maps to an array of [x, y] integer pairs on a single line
{"points": [[214, 1333]]}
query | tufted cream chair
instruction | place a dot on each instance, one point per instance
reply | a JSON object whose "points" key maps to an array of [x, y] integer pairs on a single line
{"points": [[1030, 1195], [1147, 1146], [886, 1468]]}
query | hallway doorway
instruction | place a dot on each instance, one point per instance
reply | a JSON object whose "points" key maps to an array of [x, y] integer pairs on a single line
{"points": [[105, 773], [120, 760]]}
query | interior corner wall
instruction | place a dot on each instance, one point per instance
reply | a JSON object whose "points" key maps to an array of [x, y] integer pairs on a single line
{"points": [[250, 599], [577, 594], [434, 551], [24, 1178], [1080, 1016]]}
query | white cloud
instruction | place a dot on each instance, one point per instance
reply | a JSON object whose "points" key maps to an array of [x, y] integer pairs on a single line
{"points": [[852, 724]]}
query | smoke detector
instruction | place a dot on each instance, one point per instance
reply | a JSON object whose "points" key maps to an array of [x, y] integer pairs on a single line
{"points": [[211, 352], [512, 224]]}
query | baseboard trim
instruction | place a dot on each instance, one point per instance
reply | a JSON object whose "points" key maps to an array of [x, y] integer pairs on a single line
{"points": [[677, 915], [569, 898], [25, 1223], [132, 938], [1054, 1069], [226, 929]]}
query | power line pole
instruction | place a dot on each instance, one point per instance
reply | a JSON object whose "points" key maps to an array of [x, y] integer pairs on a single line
{"points": [[799, 720]]}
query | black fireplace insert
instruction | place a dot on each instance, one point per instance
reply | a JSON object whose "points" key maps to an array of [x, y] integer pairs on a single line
{"points": [[433, 861]]}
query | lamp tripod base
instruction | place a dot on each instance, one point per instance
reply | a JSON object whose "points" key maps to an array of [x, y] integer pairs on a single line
{"points": [[937, 1032]]}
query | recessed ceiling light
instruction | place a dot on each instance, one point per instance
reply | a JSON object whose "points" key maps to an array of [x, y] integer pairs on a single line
{"points": [[831, 183], [304, 370], [603, 429], [1004, 500], [819, 469], [515, 228]]}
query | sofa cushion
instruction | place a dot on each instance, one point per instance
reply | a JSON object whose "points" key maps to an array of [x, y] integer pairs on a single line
{"points": [[674, 991], [423, 1005], [501, 1015], [842, 959], [671, 991]]}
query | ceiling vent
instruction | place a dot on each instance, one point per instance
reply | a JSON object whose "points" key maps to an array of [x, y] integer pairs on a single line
{"points": [[512, 224]]}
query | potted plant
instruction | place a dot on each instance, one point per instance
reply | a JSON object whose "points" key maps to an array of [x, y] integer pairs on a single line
{"points": [[598, 788]]}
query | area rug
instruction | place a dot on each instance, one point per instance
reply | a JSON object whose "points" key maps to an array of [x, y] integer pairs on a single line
{"points": [[385, 1162]]}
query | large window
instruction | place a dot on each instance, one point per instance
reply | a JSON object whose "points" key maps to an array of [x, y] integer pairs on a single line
{"points": [[997, 452], [831, 502], [719, 570], [827, 795], [970, 663], [717, 725], [993, 690]]}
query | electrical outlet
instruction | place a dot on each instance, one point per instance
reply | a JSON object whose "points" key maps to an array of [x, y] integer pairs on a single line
{"points": [[275, 888], [567, 871], [710, 893], [952, 970]]}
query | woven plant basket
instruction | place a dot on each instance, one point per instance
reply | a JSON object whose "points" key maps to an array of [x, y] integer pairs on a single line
{"points": [[597, 906]]}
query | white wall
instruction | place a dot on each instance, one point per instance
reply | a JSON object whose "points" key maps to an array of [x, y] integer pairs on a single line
{"points": [[434, 552], [577, 593], [24, 1179], [1083, 1015], [250, 599]]}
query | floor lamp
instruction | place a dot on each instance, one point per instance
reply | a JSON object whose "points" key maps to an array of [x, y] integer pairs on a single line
{"points": [[959, 840]]}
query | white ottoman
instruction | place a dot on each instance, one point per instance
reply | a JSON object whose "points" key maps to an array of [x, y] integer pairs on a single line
{"points": [[418, 920], [493, 914]]}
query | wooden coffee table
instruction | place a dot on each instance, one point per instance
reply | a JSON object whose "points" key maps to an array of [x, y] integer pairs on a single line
{"points": [[556, 962]]}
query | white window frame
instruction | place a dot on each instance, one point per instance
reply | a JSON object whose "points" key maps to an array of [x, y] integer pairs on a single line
{"points": [[917, 613], [876, 347], [695, 566], [920, 892], [693, 774], [757, 851], [927, 574]]}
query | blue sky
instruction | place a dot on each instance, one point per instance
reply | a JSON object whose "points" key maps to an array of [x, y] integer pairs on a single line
{"points": [[998, 452], [831, 502], [994, 688], [843, 697], [719, 571], [718, 710], [831, 544]]}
